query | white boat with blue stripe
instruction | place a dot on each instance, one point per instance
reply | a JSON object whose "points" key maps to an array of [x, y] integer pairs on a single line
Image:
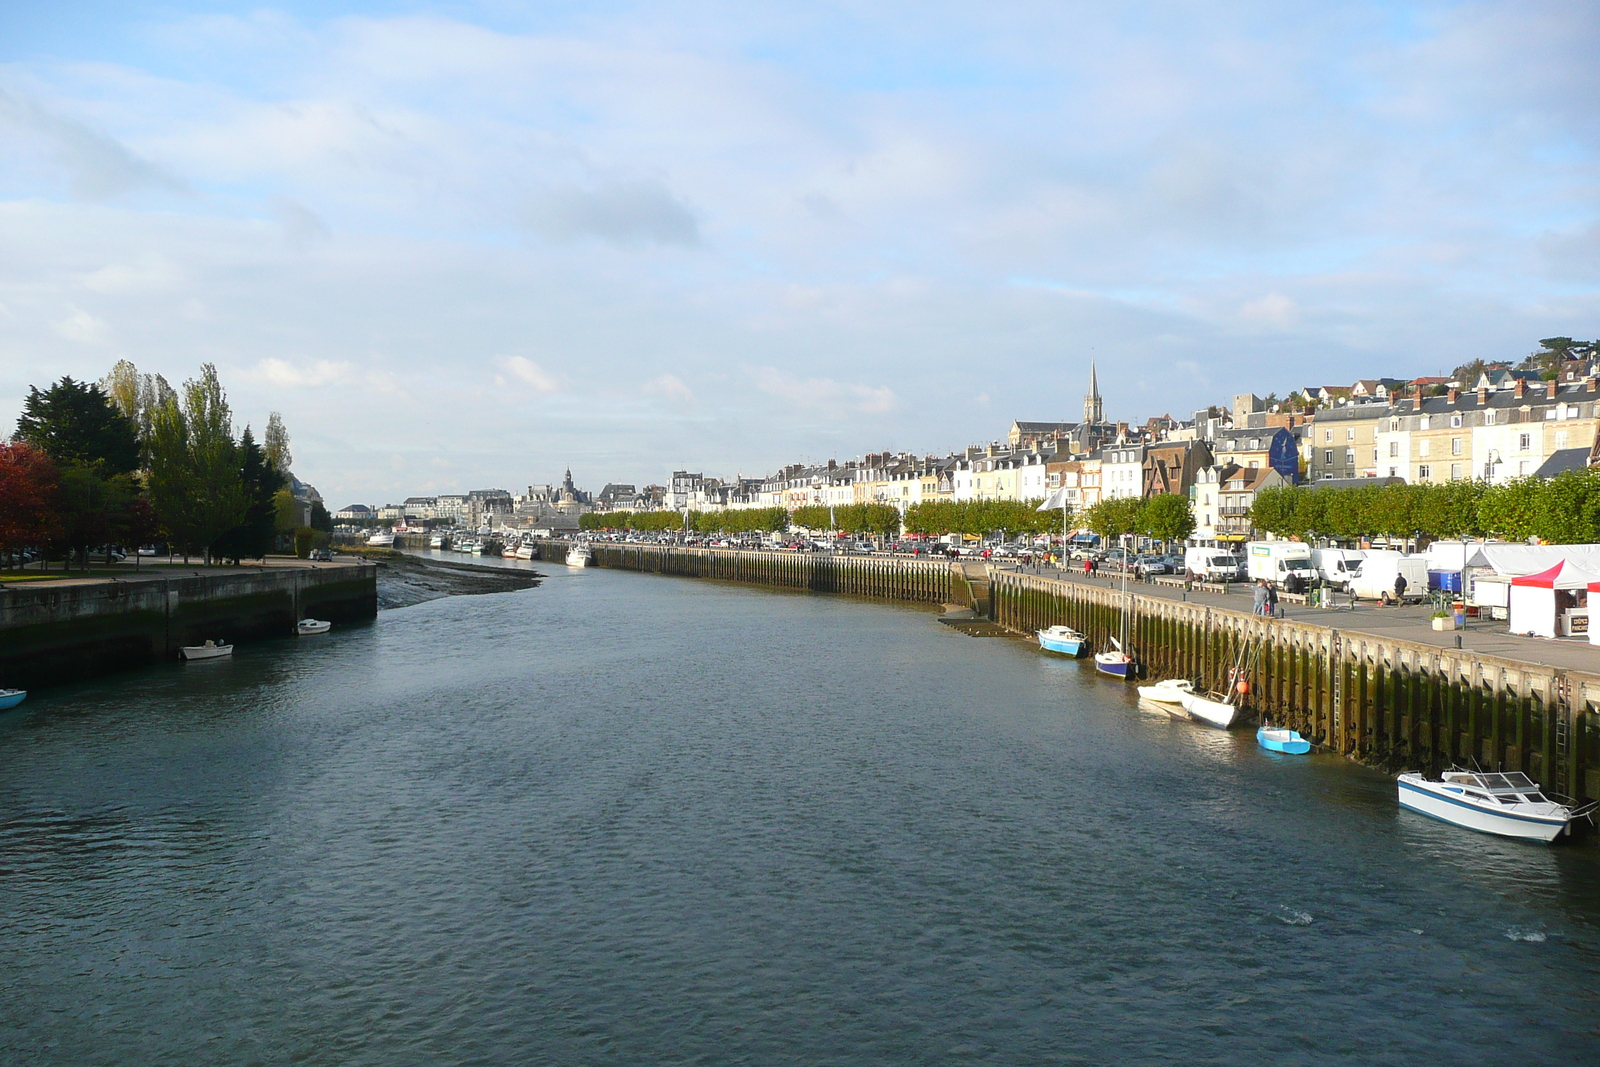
{"points": [[1062, 639], [1509, 804]]}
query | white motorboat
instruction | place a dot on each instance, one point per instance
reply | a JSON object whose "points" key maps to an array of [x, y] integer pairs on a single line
{"points": [[1167, 691], [1062, 639], [1201, 708], [509, 552], [10, 698], [382, 539], [1508, 803], [209, 650], [578, 556], [525, 550], [436, 541], [307, 627]]}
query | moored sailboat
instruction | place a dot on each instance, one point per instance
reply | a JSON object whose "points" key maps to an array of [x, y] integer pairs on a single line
{"points": [[1062, 639]]}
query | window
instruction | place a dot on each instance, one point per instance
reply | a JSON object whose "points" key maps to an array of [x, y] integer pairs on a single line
{"points": [[1561, 439], [1524, 441], [1394, 472], [1455, 472], [1455, 446], [1394, 424], [1488, 418], [1455, 422], [1350, 456], [1394, 449], [1327, 457], [1552, 413], [1423, 447], [1522, 468], [1423, 474], [1327, 437], [1350, 434], [1423, 424]]}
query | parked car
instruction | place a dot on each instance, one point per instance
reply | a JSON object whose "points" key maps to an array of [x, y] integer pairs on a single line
{"points": [[1144, 566]]}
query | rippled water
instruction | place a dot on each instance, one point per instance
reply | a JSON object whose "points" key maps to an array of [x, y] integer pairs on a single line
{"points": [[623, 819]]}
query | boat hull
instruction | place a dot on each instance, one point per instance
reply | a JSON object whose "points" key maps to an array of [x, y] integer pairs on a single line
{"points": [[310, 627], [524, 552], [1211, 712], [1066, 646], [577, 559], [1163, 693], [10, 698], [1275, 740], [202, 652], [1429, 802], [1114, 664]]}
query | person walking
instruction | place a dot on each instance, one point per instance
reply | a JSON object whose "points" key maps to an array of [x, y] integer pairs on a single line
{"points": [[1399, 589], [1259, 597]]}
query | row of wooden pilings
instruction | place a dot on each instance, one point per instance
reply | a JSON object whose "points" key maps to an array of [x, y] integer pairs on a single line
{"points": [[1396, 704], [887, 579]]}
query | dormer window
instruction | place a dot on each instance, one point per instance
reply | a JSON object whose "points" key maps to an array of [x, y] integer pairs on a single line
{"points": [[1422, 424], [1488, 418], [1455, 422]]}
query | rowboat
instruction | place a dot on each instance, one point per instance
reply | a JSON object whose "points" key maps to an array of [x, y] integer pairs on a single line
{"points": [[209, 650], [10, 698], [1167, 691], [307, 627], [1509, 804], [1062, 639], [1278, 739]]}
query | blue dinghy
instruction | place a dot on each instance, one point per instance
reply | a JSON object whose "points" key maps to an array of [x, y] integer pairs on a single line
{"points": [[1277, 739], [1062, 639], [10, 698]]}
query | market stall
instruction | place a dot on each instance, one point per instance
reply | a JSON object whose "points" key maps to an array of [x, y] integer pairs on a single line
{"points": [[1553, 602]]}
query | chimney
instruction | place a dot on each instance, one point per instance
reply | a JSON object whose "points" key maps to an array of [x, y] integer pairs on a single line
{"points": [[1483, 395], [1521, 388], [1589, 384], [1550, 389], [1122, 429], [1450, 397]]}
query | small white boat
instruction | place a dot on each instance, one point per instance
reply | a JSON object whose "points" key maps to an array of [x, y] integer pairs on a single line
{"points": [[209, 650], [1509, 804], [10, 698], [307, 627], [578, 556], [436, 541], [382, 539], [1201, 708], [524, 551], [1062, 639], [509, 552], [1167, 691]]}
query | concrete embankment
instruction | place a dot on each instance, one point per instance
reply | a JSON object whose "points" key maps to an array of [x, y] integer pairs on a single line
{"points": [[53, 632], [1379, 699]]}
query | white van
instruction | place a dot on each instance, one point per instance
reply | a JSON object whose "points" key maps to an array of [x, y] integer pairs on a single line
{"points": [[1375, 579], [1337, 566], [1213, 564], [1277, 560]]}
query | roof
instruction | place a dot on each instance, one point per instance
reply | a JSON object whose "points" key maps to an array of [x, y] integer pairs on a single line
{"points": [[1563, 460], [1564, 575]]}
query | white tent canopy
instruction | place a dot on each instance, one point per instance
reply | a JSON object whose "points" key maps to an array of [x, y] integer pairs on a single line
{"points": [[1515, 560], [1536, 600]]}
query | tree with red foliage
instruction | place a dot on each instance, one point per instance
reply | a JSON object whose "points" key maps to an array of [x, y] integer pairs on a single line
{"points": [[28, 489]]}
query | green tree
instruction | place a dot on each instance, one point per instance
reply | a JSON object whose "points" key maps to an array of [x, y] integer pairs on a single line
{"points": [[75, 422], [1114, 516], [256, 533], [276, 444], [1167, 517], [196, 483]]}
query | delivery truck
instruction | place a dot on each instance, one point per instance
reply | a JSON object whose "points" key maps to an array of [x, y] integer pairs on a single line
{"points": [[1336, 566], [1277, 560], [1213, 564], [1376, 578]]}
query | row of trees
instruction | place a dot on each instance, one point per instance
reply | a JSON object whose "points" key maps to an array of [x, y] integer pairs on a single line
{"points": [[1560, 510], [974, 518], [881, 520], [1165, 517], [131, 460]]}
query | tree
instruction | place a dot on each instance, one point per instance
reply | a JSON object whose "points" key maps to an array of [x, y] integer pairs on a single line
{"points": [[255, 535], [28, 515], [77, 422], [93, 508], [1167, 517], [195, 473], [276, 443], [1114, 516], [1466, 376]]}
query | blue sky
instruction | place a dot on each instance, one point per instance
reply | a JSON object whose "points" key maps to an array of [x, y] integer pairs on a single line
{"points": [[471, 244]]}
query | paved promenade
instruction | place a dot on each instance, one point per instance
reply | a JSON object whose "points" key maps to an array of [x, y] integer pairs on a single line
{"points": [[1409, 623]]}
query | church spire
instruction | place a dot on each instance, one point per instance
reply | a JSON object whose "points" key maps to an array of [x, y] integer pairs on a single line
{"points": [[1093, 411]]}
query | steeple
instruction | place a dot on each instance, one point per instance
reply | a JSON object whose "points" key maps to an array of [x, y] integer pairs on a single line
{"points": [[1093, 411]]}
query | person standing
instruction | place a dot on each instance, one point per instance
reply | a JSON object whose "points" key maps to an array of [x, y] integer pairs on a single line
{"points": [[1272, 601], [1259, 597], [1399, 589]]}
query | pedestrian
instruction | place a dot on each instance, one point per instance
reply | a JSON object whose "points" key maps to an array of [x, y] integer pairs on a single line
{"points": [[1258, 597], [1272, 601], [1399, 589]]}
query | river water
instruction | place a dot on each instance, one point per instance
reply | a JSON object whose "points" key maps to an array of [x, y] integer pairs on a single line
{"points": [[623, 819]]}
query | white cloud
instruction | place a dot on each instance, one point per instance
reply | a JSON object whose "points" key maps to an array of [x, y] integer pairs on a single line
{"points": [[824, 394], [81, 326], [670, 386], [529, 373], [282, 374]]}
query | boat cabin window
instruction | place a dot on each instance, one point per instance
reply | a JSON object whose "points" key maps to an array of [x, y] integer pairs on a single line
{"points": [[1534, 798]]}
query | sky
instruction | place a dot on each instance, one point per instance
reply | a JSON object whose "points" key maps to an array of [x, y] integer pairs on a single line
{"points": [[473, 244]]}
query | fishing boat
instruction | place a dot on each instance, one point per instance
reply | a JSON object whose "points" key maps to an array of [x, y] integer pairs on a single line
{"points": [[307, 627], [1116, 661], [436, 541], [509, 552], [1167, 691], [10, 698], [1509, 804], [1278, 739], [382, 539], [1062, 639], [578, 556], [209, 650], [525, 550]]}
